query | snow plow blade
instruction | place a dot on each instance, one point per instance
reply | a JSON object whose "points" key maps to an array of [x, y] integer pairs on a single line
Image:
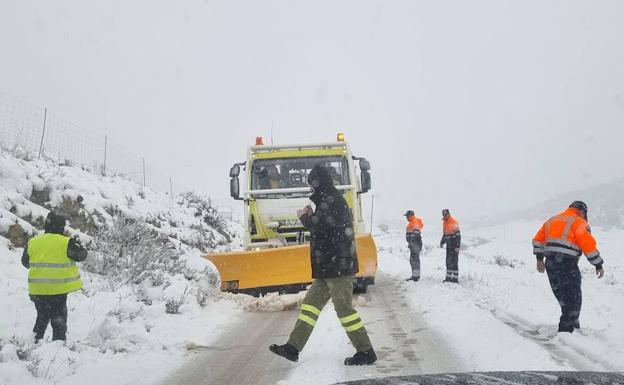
{"points": [[283, 268]]}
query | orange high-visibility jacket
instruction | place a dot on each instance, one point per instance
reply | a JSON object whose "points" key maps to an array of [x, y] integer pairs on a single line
{"points": [[413, 229], [566, 234], [415, 224], [450, 233], [450, 226]]}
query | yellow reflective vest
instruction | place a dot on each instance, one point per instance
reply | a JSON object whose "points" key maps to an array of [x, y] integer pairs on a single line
{"points": [[50, 269]]}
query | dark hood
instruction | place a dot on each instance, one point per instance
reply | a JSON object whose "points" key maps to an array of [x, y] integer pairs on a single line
{"points": [[321, 180], [54, 223]]}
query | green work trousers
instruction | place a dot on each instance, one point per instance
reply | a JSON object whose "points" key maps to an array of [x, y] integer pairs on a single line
{"points": [[340, 290]]}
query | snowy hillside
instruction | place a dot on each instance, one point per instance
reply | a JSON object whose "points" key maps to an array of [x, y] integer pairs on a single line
{"points": [[605, 201], [148, 295]]}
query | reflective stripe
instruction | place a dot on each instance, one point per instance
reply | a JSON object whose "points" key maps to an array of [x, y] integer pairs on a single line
{"points": [[538, 250], [593, 254], [568, 226], [537, 243], [567, 245], [53, 280], [310, 321], [564, 236], [57, 265], [350, 318], [310, 308], [561, 250], [354, 327], [597, 260]]}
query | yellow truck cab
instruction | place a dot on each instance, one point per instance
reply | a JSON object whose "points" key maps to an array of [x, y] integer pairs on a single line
{"points": [[276, 255]]}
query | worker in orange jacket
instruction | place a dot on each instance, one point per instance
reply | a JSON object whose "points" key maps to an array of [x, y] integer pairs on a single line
{"points": [[452, 238], [414, 242], [561, 240]]}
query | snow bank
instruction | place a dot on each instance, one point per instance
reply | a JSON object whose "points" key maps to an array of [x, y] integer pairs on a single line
{"points": [[503, 315], [131, 333]]}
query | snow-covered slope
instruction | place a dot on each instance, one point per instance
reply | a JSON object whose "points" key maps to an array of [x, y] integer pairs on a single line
{"points": [[119, 331], [90, 201]]}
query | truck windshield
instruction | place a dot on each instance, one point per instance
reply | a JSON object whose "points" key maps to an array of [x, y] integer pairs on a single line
{"points": [[277, 173]]}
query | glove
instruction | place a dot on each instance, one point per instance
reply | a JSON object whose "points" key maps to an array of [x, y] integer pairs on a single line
{"points": [[540, 266], [599, 271]]}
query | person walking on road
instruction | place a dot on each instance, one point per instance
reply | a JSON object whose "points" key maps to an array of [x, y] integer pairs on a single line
{"points": [[561, 240], [414, 242], [51, 259], [451, 237], [334, 263]]}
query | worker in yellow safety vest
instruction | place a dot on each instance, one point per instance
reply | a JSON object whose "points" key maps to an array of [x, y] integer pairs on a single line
{"points": [[51, 259]]}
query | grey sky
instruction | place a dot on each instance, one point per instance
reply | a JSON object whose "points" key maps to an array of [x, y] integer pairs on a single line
{"points": [[471, 105]]}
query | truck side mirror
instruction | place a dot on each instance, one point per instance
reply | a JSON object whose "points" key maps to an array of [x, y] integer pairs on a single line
{"points": [[364, 165], [366, 180], [234, 171], [235, 188]]}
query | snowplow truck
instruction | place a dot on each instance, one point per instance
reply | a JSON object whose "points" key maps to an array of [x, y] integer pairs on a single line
{"points": [[276, 255]]}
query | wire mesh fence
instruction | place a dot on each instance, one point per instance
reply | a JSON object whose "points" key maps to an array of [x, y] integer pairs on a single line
{"points": [[35, 132]]}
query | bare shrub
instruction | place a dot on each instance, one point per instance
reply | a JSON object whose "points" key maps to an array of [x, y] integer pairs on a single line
{"points": [[125, 313], [130, 252], [23, 347], [502, 261], [207, 212]]}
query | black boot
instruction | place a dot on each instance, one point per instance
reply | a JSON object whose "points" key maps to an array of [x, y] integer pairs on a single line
{"points": [[362, 358], [566, 327], [287, 351]]}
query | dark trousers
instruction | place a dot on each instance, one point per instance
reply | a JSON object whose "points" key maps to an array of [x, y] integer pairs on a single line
{"points": [[452, 264], [340, 291], [50, 309], [565, 282], [415, 259]]}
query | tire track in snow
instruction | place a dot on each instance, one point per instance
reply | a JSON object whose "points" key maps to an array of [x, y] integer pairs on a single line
{"points": [[547, 337]]}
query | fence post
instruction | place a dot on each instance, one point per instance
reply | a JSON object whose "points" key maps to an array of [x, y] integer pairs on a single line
{"points": [[171, 188], [144, 185], [45, 118], [105, 150]]}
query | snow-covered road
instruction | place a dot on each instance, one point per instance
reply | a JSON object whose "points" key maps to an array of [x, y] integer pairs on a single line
{"points": [[404, 343], [501, 316]]}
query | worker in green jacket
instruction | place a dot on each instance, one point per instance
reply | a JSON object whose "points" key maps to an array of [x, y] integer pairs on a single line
{"points": [[51, 259]]}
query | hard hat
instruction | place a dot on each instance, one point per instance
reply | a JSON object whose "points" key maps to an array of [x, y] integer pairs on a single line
{"points": [[446, 212], [408, 213]]}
